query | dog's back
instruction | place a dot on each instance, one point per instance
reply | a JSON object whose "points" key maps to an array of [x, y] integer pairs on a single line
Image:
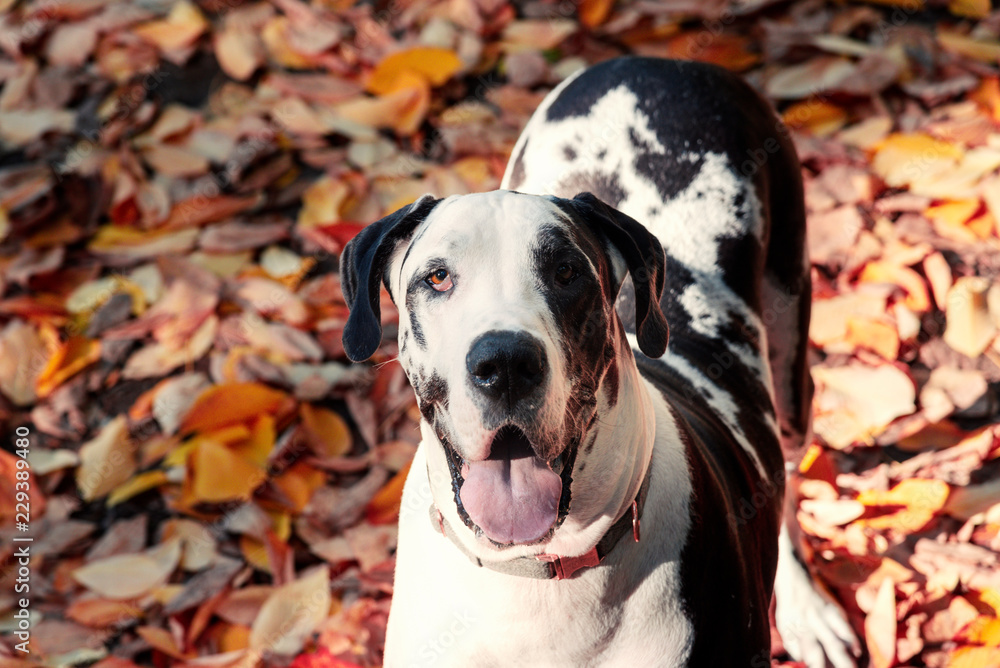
{"points": [[693, 153]]}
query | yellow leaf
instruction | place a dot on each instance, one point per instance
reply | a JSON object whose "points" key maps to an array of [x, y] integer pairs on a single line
{"points": [[916, 493], [326, 432], [291, 613], [219, 474], [435, 64], [901, 159], [921, 500], [259, 442], [225, 405], [136, 485], [981, 50], [982, 631], [974, 657]]}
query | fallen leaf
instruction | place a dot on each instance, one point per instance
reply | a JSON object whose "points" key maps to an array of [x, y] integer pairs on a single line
{"points": [[856, 402], [969, 329], [880, 627], [183, 25], [224, 405], [127, 576], [434, 64], [106, 461], [291, 613]]}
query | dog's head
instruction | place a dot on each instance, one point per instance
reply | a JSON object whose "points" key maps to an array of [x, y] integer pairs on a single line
{"points": [[508, 334]]}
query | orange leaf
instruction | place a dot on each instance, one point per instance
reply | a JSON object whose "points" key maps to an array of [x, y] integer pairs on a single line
{"points": [[219, 474], [384, 506], [988, 96], [101, 612], [730, 51], [917, 297], [298, 483], [593, 12], [875, 335], [434, 64], [403, 109], [819, 116], [325, 431], [224, 405], [73, 356], [973, 9], [955, 213]]}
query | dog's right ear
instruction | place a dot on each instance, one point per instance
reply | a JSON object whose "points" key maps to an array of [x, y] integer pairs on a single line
{"points": [[362, 270]]}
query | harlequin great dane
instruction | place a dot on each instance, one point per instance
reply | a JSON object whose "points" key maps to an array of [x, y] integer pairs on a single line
{"points": [[584, 493]]}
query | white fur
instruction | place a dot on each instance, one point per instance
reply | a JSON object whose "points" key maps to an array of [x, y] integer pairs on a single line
{"points": [[448, 612]]}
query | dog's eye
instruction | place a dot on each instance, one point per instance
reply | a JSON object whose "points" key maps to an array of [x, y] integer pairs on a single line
{"points": [[440, 280], [565, 274]]}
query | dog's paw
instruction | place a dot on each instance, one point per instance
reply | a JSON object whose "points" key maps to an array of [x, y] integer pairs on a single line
{"points": [[812, 626]]}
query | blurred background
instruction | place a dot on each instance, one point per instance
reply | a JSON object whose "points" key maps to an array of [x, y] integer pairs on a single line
{"points": [[200, 477]]}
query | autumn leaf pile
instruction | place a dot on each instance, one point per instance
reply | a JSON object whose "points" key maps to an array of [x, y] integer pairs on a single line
{"points": [[213, 484]]}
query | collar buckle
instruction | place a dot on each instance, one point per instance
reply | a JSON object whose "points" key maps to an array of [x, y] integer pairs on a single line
{"points": [[566, 567]]}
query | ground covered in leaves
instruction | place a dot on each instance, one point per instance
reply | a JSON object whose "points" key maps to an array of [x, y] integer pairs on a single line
{"points": [[210, 483]]}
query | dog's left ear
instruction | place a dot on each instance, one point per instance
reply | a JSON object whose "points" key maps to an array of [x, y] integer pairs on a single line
{"points": [[362, 270], [645, 260]]}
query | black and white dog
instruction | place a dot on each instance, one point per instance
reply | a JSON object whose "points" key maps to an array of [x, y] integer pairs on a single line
{"points": [[581, 493]]}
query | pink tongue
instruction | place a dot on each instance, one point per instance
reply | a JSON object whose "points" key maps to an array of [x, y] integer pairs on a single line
{"points": [[511, 500]]}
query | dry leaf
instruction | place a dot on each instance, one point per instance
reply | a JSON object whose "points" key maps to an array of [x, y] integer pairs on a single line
{"points": [[880, 627], [856, 402], [106, 461], [969, 329], [291, 613], [127, 576]]}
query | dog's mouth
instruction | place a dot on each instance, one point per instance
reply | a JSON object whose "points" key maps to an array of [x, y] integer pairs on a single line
{"points": [[512, 497]]}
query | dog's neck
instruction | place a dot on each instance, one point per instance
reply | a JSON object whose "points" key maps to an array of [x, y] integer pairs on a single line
{"points": [[612, 461]]}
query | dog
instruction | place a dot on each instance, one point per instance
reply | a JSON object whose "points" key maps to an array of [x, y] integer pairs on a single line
{"points": [[609, 359]]}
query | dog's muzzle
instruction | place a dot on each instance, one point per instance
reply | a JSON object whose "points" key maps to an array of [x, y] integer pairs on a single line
{"points": [[507, 370]]}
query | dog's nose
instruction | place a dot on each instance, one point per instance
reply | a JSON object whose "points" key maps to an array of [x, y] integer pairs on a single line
{"points": [[506, 365]]}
